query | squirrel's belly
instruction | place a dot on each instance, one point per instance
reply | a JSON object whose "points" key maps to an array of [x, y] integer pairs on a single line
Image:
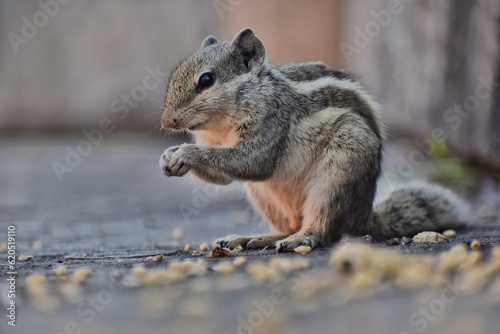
{"points": [[284, 198]]}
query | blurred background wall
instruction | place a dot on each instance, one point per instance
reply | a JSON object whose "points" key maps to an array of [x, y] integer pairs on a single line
{"points": [[72, 59], [67, 64], [435, 66]]}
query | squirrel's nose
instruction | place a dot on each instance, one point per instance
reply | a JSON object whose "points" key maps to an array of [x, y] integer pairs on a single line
{"points": [[167, 123]]}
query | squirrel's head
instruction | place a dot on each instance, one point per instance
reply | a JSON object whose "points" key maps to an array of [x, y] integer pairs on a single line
{"points": [[202, 90]]}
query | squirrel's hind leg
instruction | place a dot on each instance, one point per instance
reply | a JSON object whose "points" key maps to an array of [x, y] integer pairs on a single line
{"points": [[314, 224], [250, 242], [339, 200]]}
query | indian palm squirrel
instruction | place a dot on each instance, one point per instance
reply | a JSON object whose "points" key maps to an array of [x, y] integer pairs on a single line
{"points": [[305, 139]]}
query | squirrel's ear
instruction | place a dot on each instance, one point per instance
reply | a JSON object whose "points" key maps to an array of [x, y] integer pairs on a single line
{"points": [[251, 49], [209, 40]]}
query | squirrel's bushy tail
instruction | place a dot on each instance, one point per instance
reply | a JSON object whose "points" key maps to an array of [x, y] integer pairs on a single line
{"points": [[415, 207]]}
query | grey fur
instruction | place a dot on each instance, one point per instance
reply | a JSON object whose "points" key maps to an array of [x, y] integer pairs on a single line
{"points": [[415, 207], [305, 138], [209, 40]]}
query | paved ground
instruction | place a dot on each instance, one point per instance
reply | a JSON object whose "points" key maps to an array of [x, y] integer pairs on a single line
{"points": [[115, 208]]}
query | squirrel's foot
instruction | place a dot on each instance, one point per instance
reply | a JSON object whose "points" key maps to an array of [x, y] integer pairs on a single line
{"points": [[181, 159], [178, 168], [165, 160], [249, 242], [294, 241]]}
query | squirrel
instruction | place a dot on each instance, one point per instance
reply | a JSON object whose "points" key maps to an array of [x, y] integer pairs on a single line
{"points": [[306, 140]]}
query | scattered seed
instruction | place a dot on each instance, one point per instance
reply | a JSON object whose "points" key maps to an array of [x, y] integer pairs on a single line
{"points": [[302, 249], [478, 276], [414, 276], [181, 267], [363, 266], [224, 268], [162, 276], [452, 259], [262, 272], [80, 275], [187, 248], [223, 252], [450, 234], [313, 285], [38, 291], [475, 244], [23, 258], [281, 264], [155, 258], [363, 280], [188, 267], [472, 259], [139, 271], [35, 279], [204, 247], [3, 248], [61, 271], [239, 261], [429, 237], [300, 264], [177, 233]]}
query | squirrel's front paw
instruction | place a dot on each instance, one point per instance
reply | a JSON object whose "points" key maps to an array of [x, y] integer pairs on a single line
{"points": [[165, 160], [179, 163]]}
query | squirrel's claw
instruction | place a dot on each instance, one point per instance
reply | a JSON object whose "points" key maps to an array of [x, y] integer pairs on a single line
{"points": [[251, 242], [166, 171], [164, 166], [178, 163], [172, 165], [294, 241]]}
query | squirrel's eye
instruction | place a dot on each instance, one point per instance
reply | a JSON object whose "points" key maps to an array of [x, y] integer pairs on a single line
{"points": [[206, 80]]}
